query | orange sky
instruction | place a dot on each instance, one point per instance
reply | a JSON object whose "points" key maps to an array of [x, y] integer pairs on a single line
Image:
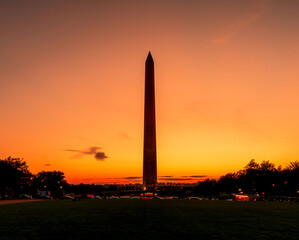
{"points": [[72, 77]]}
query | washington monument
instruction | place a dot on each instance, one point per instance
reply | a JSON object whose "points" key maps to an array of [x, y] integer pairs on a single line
{"points": [[149, 147]]}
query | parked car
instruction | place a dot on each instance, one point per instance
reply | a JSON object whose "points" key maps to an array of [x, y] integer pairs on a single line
{"points": [[67, 197], [4, 197], [25, 196], [194, 198], [135, 197], [113, 197], [124, 197], [158, 197]]}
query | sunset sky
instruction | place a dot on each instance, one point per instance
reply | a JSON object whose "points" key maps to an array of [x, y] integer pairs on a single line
{"points": [[72, 85]]}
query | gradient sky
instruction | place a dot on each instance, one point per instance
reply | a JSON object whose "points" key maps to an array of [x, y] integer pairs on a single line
{"points": [[72, 78]]}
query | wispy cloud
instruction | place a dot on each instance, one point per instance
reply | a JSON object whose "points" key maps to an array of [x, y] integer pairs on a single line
{"points": [[138, 179], [182, 178], [47, 165], [98, 155], [124, 135], [176, 179], [236, 27], [131, 178], [242, 22], [198, 176]]}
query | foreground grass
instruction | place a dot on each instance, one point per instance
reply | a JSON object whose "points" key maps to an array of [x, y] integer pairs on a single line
{"points": [[149, 219]]}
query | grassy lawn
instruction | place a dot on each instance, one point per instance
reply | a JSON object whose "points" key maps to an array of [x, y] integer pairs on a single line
{"points": [[149, 219]]}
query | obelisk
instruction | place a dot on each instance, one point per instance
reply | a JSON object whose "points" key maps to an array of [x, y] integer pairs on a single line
{"points": [[149, 147]]}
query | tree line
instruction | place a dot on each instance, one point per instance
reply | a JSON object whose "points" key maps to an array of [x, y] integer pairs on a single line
{"points": [[16, 179], [255, 178]]}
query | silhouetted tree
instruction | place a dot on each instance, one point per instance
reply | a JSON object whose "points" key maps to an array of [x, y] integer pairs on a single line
{"points": [[15, 177], [209, 187], [53, 181], [291, 178], [229, 183], [257, 178]]}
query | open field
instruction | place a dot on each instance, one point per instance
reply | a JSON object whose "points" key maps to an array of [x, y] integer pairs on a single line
{"points": [[149, 219]]}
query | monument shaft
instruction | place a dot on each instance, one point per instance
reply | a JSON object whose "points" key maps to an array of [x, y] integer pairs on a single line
{"points": [[149, 148]]}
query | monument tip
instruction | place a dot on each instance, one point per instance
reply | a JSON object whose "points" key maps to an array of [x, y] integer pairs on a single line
{"points": [[149, 57]]}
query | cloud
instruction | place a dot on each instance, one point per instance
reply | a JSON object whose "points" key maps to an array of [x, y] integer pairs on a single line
{"points": [[234, 28], [176, 179], [198, 176], [131, 178], [182, 178], [47, 165], [99, 156], [126, 136], [91, 150], [137, 179], [195, 176], [127, 178]]}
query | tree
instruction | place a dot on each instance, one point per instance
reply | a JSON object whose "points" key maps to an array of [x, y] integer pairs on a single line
{"points": [[53, 181], [252, 165], [229, 183], [15, 178], [208, 186], [291, 178]]}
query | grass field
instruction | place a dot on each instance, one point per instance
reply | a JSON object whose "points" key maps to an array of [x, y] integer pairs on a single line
{"points": [[149, 219]]}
